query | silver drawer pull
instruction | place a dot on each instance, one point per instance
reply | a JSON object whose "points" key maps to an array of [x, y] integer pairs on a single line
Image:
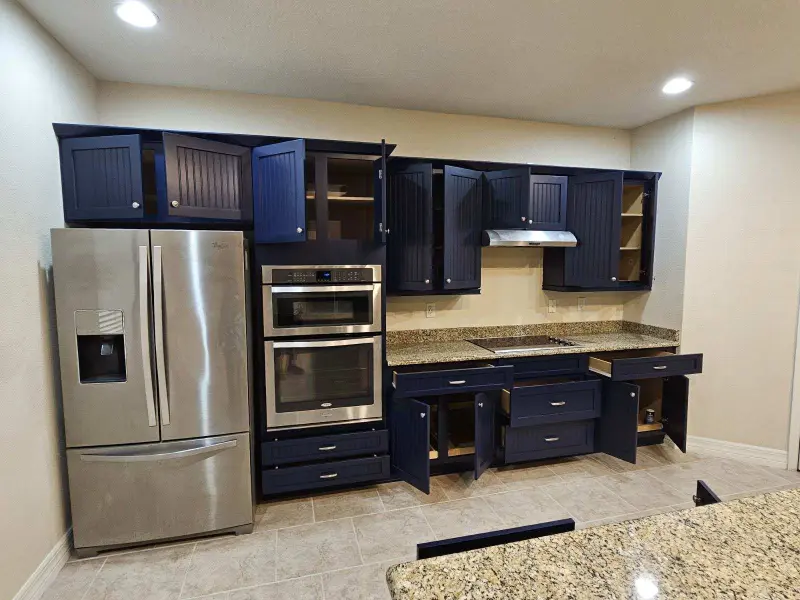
{"points": [[660, 367], [323, 448], [562, 403], [329, 476], [326, 404], [555, 439], [458, 382]]}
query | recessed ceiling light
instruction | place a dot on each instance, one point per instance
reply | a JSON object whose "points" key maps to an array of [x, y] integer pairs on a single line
{"points": [[136, 13], [677, 85]]}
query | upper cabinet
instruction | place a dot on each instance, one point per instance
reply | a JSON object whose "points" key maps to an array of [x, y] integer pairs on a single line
{"points": [[612, 215], [517, 199], [434, 228]]}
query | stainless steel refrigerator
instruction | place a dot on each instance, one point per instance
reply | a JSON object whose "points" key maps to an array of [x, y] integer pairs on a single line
{"points": [[153, 345]]}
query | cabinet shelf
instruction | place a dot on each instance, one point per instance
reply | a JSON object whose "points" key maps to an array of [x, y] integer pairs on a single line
{"points": [[630, 248], [633, 215], [649, 427]]}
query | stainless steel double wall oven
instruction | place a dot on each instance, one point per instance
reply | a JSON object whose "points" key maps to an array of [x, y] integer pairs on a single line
{"points": [[323, 352]]}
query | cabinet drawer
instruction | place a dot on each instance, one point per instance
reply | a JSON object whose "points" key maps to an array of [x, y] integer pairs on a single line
{"points": [[311, 477], [544, 401], [429, 382], [644, 364], [548, 441], [324, 447], [545, 366]]}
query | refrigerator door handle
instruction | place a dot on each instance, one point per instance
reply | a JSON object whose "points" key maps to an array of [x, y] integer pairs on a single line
{"points": [[158, 319], [144, 334], [150, 456]]}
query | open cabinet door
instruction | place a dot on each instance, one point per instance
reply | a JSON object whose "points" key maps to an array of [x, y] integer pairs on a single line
{"points": [[675, 409], [508, 199], [379, 189], [279, 193], [484, 432], [462, 228], [410, 433], [617, 433]]}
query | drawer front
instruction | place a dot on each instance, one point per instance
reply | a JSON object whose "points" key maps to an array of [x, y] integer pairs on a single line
{"points": [[545, 366], [552, 403], [429, 383], [648, 367], [324, 447], [548, 441], [323, 475]]}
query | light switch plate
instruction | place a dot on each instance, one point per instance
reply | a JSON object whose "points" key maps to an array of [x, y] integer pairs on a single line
{"points": [[430, 310]]}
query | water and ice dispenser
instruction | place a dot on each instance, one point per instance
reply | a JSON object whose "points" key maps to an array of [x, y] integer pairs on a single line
{"points": [[101, 345]]}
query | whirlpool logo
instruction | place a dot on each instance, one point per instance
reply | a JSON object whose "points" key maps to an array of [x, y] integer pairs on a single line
{"points": [[219, 245]]}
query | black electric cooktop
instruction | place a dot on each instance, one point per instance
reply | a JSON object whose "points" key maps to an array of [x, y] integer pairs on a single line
{"points": [[525, 343]]}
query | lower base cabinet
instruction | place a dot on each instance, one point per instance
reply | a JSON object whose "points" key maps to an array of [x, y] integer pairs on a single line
{"points": [[547, 441], [316, 476]]}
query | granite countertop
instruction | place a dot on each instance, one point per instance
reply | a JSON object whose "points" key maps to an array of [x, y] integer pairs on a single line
{"points": [[747, 548], [442, 346]]}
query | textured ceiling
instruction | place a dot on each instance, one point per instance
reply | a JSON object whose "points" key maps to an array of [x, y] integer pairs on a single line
{"points": [[587, 62]]}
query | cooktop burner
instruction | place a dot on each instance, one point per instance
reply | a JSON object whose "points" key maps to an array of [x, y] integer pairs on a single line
{"points": [[526, 343]]}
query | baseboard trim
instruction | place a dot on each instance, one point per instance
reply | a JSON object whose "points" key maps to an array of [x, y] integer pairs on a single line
{"points": [[47, 570], [757, 455]]}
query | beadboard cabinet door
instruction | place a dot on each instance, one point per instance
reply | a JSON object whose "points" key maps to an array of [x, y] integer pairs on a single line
{"points": [[409, 442], [207, 179], [279, 195], [462, 207], [102, 178], [410, 239], [508, 199], [548, 207]]}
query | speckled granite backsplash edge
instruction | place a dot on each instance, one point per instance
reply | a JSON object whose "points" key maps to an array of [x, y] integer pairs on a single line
{"points": [[452, 334]]}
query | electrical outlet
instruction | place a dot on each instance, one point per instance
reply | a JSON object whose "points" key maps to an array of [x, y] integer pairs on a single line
{"points": [[551, 306], [430, 310], [581, 303]]}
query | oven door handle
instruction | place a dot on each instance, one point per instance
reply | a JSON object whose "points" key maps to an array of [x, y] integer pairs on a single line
{"points": [[320, 289], [369, 341]]}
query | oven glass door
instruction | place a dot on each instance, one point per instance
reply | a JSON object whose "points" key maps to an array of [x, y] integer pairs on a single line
{"points": [[322, 381], [312, 310]]}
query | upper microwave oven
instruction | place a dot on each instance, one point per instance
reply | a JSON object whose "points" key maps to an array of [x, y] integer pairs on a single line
{"points": [[321, 300]]}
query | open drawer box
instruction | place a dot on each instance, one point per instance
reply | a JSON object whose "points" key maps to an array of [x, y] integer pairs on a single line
{"points": [[644, 364]]}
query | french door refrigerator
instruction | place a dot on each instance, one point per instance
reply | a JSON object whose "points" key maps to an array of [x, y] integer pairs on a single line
{"points": [[153, 345]]}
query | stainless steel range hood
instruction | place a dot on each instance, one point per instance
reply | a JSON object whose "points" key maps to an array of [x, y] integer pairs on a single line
{"points": [[525, 237]]}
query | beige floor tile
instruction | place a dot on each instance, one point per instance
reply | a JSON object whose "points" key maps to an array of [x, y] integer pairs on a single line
{"points": [[461, 517], [359, 583], [668, 454], [644, 460], [148, 575], [464, 485], [684, 477], [574, 468], [352, 503], [393, 535], [642, 490], [528, 476], [588, 500], [305, 588], [283, 513], [526, 507], [745, 477], [73, 580], [399, 494], [231, 562], [316, 548]]}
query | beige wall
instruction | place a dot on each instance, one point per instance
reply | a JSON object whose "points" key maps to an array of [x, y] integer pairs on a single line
{"points": [[665, 145], [41, 83], [742, 268], [511, 278]]}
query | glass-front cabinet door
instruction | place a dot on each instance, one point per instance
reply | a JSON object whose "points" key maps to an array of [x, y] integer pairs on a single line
{"points": [[323, 381]]}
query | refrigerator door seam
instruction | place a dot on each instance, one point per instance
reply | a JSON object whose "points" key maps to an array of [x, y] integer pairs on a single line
{"points": [[158, 317], [144, 324]]}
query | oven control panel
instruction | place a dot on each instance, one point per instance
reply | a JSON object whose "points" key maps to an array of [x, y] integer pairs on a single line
{"points": [[322, 276]]}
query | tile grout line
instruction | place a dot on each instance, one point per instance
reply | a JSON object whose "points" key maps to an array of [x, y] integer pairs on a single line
{"points": [[358, 545], [188, 567], [252, 587], [428, 523], [275, 557], [91, 583]]}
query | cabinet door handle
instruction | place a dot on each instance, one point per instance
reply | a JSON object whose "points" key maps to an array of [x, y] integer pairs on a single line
{"points": [[660, 367], [458, 382], [323, 448], [613, 279], [427, 281], [422, 415], [523, 219], [174, 204], [562, 403], [448, 280], [552, 439], [329, 476], [299, 230], [480, 404]]}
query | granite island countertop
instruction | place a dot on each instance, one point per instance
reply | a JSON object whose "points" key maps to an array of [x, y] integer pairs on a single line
{"points": [[443, 346], [747, 548]]}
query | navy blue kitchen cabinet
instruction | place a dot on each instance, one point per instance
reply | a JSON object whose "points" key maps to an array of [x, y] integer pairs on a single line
{"points": [[102, 178], [517, 199], [409, 441], [612, 215], [279, 193], [434, 229]]}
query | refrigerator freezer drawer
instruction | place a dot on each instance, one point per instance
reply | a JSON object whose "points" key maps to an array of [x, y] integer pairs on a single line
{"points": [[132, 494]]}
